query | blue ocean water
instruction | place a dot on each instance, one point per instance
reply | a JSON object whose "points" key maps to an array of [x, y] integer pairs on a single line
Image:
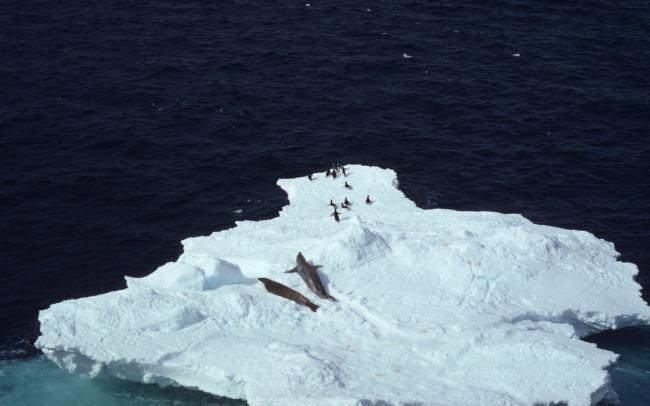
{"points": [[126, 127]]}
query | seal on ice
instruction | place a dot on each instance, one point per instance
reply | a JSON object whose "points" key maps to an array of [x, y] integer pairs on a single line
{"points": [[279, 289], [309, 274]]}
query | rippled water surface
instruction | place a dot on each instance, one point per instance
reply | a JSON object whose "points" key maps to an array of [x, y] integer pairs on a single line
{"points": [[128, 126]]}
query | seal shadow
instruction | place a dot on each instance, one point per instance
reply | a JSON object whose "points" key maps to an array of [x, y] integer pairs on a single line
{"points": [[325, 281]]}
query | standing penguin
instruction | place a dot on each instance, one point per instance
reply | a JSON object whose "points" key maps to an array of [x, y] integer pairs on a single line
{"points": [[347, 186], [327, 173], [346, 202], [336, 215], [332, 204], [309, 177], [368, 201], [333, 174], [343, 171]]}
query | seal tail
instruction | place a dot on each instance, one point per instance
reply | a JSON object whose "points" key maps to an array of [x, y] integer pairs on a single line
{"points": [[312, 306]]}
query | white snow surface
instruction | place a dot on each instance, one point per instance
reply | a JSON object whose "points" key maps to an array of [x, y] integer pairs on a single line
{"points": [[435, 307]]}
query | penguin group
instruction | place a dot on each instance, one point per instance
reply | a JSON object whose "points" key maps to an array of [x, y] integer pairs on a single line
{"points": [[338, 169], [306, 270]]}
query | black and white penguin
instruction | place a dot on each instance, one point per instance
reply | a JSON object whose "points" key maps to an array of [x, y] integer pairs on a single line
{"points": [[368, 201], [336, 215], [347, 186]]}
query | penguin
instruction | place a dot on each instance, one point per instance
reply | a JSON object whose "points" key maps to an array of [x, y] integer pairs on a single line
{"points": [[327, 173], [333, 174], [346, 202], [368, 201], [347, 186], [332, 204], [343, 171], [309, 177], [336, 215]]}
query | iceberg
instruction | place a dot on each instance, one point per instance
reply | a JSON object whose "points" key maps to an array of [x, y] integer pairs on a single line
{"points": [[435, 307]]}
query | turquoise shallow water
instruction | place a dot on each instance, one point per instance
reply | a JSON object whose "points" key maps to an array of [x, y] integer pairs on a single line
{"points": [[631, 372], [38, 382]]}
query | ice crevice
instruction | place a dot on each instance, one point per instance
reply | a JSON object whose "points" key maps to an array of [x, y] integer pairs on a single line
{"points": [[433, 307]]}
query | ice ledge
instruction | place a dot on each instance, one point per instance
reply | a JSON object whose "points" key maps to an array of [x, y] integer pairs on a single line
{"points": [[75, 361], [435, 307]]}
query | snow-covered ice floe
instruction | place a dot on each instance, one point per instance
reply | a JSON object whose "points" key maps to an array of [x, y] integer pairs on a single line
{"points": [[435, 307]]}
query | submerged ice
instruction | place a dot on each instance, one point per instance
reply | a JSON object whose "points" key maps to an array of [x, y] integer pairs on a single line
{"points": [[434, 307]]}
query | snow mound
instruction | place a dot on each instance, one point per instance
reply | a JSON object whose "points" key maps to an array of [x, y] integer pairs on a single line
{"points": [[212, 274], [435, 307]]}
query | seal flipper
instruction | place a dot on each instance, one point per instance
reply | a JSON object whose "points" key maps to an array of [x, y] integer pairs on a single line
{"points": [[294, 269]]}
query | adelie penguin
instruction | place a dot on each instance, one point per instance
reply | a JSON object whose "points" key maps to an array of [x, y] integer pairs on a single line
{"points": [[309, 177], [346, 202], [343, 171], [332, 204], [328, 173], [336, 215], [368, 201], [347, 186]]}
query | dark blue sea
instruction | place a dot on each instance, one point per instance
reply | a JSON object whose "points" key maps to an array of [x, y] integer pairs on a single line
{"points": [[127, 126]]}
